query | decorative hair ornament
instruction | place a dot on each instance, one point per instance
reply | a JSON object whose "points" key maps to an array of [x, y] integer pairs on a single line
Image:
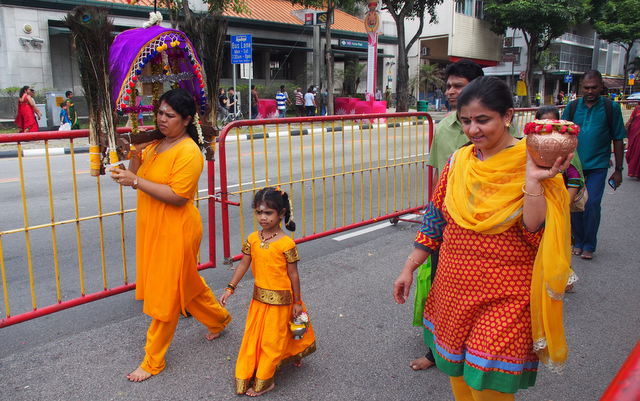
{"points": [[196, 122], [155, 18]]}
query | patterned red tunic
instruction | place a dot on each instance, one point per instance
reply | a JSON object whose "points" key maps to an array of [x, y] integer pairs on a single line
{"points": [[477, 316]]}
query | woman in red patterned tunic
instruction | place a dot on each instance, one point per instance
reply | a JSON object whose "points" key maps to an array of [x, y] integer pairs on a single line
{"points": [[502, 226]]}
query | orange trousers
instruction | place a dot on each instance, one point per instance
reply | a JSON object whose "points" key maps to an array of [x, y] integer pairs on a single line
{"points": [[462, 392], [204, 307]]}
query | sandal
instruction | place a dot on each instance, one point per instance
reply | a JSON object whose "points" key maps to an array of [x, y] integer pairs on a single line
{"points": [[576, 251], [587, 255]]}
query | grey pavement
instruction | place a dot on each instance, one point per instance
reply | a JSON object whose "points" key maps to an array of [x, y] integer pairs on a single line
{"points": [[365, 341]]}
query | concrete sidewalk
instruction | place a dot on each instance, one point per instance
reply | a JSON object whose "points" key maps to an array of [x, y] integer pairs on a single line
{"points": [[365, 340]]}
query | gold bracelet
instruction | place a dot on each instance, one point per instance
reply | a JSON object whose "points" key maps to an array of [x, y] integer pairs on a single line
{"points": [[413, 260], [530, 194]]}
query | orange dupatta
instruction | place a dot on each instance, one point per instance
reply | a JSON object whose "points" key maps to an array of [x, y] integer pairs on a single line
{"points": [[486, 197]]}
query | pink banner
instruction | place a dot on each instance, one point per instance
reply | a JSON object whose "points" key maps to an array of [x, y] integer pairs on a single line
{"points": [[267, 108]]}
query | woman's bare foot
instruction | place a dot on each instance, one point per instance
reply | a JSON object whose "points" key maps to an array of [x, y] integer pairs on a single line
{"points": [[212, 336], [139, 375], [421, 363], [252, 393], [297, 364]]}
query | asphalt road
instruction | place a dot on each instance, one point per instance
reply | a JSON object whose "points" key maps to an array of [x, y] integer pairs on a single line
{"points": [[365, 341]]}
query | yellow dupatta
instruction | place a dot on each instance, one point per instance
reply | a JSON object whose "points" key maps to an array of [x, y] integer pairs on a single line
{"points": [[486, 197]]}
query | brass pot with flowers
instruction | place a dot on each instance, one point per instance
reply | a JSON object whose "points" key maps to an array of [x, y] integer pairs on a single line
{"points": [[549, 139]]}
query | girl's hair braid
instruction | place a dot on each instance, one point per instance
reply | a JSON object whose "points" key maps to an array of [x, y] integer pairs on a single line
{"points": [[288, 214]]}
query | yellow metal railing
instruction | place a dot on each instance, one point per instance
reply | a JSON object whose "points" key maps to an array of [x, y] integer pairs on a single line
{"points": [[79, 249], [339, 171]]}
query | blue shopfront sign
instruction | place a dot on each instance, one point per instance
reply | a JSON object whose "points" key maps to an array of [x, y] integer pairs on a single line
{"points": [[568, 78], [241, 49]]}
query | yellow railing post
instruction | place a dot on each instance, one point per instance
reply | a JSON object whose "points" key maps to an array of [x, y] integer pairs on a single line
{"points": [[54, 240]]}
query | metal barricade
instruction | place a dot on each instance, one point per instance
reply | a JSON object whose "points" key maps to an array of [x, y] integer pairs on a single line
{"points": [[54, 248], [341, 172]]}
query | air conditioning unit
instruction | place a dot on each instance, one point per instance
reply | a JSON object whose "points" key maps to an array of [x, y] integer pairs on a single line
{"points": [[425, 51]]}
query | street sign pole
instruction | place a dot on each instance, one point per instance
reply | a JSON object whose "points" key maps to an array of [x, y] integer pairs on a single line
{"points": [[250, 94], [235, 106], [242, 53]]}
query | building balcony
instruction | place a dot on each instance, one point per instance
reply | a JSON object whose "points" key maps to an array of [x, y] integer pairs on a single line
{"points": [[570, 38]]}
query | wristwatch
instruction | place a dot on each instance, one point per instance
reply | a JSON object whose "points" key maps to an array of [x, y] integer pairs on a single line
{"points": [[619, 168], [135, 183]]}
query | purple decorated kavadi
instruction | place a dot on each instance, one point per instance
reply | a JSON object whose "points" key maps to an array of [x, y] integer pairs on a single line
{"points": [[156, 59]]}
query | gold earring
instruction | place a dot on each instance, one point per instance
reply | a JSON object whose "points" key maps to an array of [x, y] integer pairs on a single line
{"points": [[507, 125]]}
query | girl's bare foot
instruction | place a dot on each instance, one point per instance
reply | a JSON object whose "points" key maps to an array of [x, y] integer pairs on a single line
{"points": [[139, 375], [212, 336], [252, 393], [421, 363]]}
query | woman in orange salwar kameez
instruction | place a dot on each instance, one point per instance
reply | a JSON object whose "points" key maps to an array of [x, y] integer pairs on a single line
{"points": [[268, 342], [168, 231], [27, 111]]}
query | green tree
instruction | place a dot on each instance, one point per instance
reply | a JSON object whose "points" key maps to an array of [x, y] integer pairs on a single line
{"points": [[619, 22], [401, 11], [540, 21], [351, 76], [430, 76]]}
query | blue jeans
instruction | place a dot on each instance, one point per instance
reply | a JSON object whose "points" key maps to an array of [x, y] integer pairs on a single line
{"points": [[584, 225], [282, 113]]}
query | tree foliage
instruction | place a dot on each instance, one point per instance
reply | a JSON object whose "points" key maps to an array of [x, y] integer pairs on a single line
{"points": [[619, 22], [540, 21], [403, 12]]}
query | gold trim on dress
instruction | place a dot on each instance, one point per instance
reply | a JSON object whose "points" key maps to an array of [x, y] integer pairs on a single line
{"points": [[298, 357], [272, 297], [242, 385], [292, 255], [261, 385], [246, 248]]}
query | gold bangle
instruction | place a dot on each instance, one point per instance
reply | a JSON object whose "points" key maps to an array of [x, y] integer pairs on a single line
{"points": [[229, 290], [413, 260], [529, 193]]}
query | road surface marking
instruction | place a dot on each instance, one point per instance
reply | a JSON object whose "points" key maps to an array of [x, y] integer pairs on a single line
{"points": [[409, 156], [245, 184], [372, 228]]}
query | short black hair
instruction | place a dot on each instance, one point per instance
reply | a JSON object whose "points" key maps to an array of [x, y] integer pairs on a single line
{"points": [[465, 69], [492, 92], [277, 200], [542, 110], [67, 93], [230, 88], [593, 74]]}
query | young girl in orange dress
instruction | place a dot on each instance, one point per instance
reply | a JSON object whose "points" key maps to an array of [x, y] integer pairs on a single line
{"points": [[268, 342]]}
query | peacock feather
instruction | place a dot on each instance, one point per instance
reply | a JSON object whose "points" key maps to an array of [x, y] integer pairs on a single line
{"points": [[92, 33]]}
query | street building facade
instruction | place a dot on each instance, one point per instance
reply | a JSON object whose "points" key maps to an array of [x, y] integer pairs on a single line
{"points": [[37, 49]]}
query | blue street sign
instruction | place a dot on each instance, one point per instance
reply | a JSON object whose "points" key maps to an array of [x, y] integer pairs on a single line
{"points": [[632, 76], [241, 49], [568, 78]]}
